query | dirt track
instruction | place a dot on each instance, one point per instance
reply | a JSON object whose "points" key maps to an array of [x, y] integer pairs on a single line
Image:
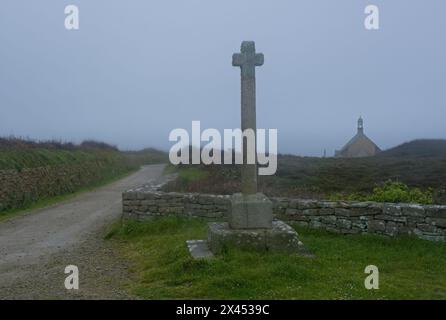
{"points": [[36, 247]]}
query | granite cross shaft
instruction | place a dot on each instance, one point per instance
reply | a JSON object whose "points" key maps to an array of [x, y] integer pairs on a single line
{"points": [[247, 60]]}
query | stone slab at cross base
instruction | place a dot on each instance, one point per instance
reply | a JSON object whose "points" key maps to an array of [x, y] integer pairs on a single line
{"points": [[199, 249], [280, 238], [254, 211]]}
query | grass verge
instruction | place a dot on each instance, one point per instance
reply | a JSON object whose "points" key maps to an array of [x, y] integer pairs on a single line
{"points": [[409, 268]]}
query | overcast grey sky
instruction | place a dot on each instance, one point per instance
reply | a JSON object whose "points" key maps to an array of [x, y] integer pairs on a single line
{"points": [[138, 69]]}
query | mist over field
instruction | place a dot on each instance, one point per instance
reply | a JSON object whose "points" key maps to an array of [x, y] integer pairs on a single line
{"points": [[133, 72]]}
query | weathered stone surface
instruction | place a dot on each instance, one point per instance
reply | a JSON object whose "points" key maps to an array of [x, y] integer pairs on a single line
{"points": [[307, 204], [413, 211], [250, 211], [376, 226], [344, 223], [128, 195], [362, 204], [427, 222], [342, 212], [328, 204], [316, 223], [439, 222], [388, 217], [329, 220], [413, 220], [428, 228], [248, 60], [310, 212], [392, 209], [280, 238], [204, 199], [359, 224], [436, 211], [326, 211], [429, 236], [392, 228], [199, 249], [291, 211]]}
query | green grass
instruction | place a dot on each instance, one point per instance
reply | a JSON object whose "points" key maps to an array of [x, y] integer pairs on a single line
{"points": [[409, 268], [192, 174], [187, 175], [45, 202]]}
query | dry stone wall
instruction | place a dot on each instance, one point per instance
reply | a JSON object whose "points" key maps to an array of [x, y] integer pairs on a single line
{"points": [[391, 219]]}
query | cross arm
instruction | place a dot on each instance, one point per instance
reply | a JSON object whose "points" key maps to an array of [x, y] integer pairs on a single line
{"points": [[238, 59], [259, 59]]}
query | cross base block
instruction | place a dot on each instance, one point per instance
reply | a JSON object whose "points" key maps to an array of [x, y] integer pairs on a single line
{"points": [[254, 211], [280, 238]]}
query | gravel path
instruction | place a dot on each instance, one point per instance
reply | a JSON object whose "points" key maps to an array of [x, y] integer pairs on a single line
{"points": [[35, 248]]}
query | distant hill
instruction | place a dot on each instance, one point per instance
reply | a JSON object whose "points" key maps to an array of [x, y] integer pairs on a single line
{"points": [[423, 148]]}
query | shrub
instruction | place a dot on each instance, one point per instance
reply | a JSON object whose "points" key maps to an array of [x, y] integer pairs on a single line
{"points": [[391, 191], [399, 192]]}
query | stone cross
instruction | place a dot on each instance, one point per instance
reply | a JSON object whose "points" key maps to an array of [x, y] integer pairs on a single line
{"points": [[250, 218], [247, 60]]}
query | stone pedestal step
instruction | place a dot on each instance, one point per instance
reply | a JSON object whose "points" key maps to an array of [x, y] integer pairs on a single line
{"points": [[280, 238], [199, 249]]}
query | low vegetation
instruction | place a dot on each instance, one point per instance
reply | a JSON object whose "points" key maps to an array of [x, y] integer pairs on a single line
{"points": [[16, 153], [409, 268], [29, 204], [390, 192], [418, 170], [34, 173]]}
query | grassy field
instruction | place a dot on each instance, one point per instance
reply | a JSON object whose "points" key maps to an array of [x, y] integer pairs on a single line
{"points": [[409, 268]]}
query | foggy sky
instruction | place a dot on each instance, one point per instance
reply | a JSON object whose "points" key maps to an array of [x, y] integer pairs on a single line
{"points": [[138, 69]]}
